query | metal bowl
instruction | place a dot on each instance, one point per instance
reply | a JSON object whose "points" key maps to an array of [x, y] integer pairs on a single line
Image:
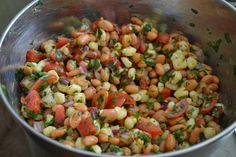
{"points": [[208, 21]]}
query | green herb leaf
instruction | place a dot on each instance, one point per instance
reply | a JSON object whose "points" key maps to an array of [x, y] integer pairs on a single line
{"points": [[179, 135], [215, 45], [99, 33], [30, 114], [145, 137], [194, 11], [147, 27], [4, 88], [94, 64], [115, 149], [227, 38]]}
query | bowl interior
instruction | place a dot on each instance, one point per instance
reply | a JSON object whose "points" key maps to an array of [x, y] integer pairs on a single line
{"points": [[201, 23]]}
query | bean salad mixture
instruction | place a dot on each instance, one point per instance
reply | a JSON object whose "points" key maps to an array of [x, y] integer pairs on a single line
{"points": [[121, 90]]}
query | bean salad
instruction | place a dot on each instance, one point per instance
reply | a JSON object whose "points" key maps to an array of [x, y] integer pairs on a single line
{"points": [[121, 90]]}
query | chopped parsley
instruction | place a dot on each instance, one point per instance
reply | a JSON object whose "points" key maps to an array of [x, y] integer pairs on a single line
{"points": [[69, 131], [94, 64], [100, 99], [144, 137], [115, 149], [194, 11], [179, 135], [215, 45], [48, 122], [99, 33], [43, 86], [227, 38], [30, 114], [112, 66], [147, 27]]}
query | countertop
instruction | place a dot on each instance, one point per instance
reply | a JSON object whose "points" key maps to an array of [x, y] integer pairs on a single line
{"points": [[14, 142]]}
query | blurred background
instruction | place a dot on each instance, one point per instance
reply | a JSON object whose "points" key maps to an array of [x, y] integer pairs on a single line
{"points": [[14, 143]]}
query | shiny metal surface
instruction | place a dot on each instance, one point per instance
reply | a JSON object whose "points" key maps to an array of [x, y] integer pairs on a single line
{"points": [[34, 24]]}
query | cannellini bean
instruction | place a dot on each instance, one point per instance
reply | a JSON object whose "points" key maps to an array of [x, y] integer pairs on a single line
{"points": [[134, 39], [126, 40], [126, 62], [211, 87], [89, 93], [192, 62], [79, 144], [160, 116], [214, 125], [176, 127], [109, 115], [154, 81], [126, 151], [102, 138], [89, 140], [151, 35], [159, 69], [136, 57], [131, 89], [83, 39], [58, 133], [48, 130], [106, 25], [104, 58], [129, 51], [191, 84], [160, 59], [114, 140], [114, 35], [207, 79], [130, 122], [80, 107], [27, 70], [195, 135], [142, 64], [105, 74], [152, 74], [209, 132], [136, 20], [170, 142], [95, 82], [153, 91], [167, 48]]}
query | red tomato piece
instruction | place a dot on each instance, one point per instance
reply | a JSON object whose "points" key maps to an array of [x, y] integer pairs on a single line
{"points": [[166, 92], [142, 46], [100, 99], [33, 101], [75, 34], [86, 127], [34, 56], [152, 129], [48, 80], [61, 41], [57, 67], [115, 99], [60, 114], [181, 106]]}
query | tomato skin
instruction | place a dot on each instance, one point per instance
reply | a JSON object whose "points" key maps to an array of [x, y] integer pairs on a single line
{"points": [[166, 92], [86, 127], [60, 114], [209, 108], [144, 125], [115, 100], [61, 41], [103, 94], [53, 66], [34, 56], [184, 106], [49, 79], [33, 101], [163, 38]]}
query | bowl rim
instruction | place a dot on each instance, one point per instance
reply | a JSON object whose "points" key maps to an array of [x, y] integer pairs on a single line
{"points": [[26, 126]]}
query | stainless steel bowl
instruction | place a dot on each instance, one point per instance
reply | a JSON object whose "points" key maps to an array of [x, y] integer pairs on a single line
{"points": [[203, 21]]}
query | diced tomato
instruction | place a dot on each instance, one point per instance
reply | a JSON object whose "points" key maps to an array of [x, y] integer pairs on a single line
{"points": [[129, 100], [60, 69], [208, 109], [100, 99], [181, 106], [61, 41], [34, 56], [33, 101], [86, 127], [163, 38], [115, 99], [60, 114], [142, 46], [48, 80], [91, 109], [166, 92], [152, 129]]}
